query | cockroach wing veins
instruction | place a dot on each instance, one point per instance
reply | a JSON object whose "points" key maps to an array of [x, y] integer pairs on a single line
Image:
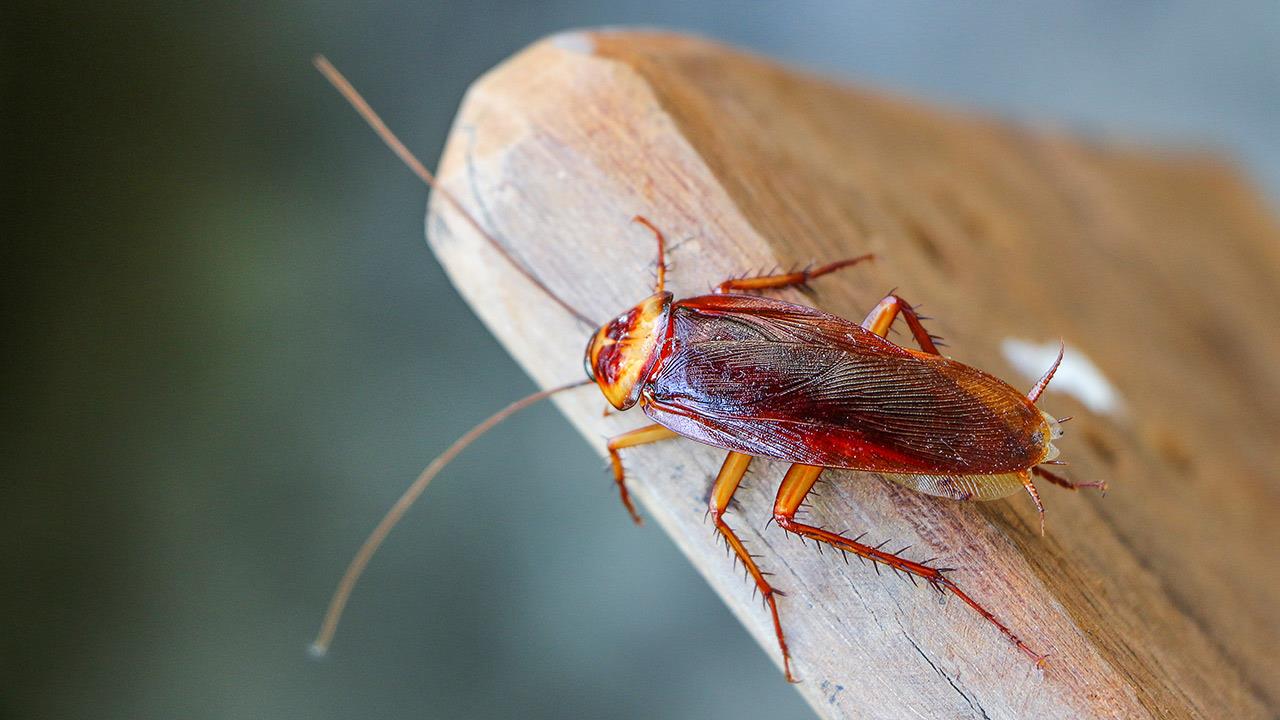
{"points": [[773, 379]]}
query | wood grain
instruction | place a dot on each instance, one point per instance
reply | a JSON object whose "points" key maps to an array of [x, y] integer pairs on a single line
{"points": [[1158, 600]]}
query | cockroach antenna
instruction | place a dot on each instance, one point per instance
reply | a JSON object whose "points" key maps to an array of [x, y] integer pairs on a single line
{"points": [[357, 101], [1038, 389], [320, 646]]}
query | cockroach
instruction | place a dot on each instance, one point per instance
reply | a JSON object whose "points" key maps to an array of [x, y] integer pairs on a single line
{"points": [[759, 377]]}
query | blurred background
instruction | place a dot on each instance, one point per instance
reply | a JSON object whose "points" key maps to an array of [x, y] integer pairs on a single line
{"points": [[229, 349]]}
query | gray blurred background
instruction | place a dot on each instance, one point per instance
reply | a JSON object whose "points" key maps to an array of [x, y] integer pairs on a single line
{"points": [[229, 350]]}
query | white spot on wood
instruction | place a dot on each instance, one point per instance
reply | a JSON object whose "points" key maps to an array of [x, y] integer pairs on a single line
{"points": [[576, 42], [1077, 376]]}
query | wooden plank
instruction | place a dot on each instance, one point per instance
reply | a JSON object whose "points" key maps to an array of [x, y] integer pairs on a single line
{"points": [[1157, 600]]}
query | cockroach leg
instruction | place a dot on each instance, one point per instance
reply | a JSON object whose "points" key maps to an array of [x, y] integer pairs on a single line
{"points": [[1060, 481], [881, 318], [800, 277], [735, 466], [1035, 496], [662, 253], [796, 485], [639, 436]]}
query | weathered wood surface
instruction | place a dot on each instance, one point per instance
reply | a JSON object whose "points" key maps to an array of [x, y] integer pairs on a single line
{"points": [[1158, 600]]}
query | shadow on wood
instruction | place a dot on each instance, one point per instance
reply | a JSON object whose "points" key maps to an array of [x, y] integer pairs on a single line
{"points": [[1159, 599]]}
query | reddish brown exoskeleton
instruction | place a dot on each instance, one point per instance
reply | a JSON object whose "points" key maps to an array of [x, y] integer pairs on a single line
{"points": [[760, 377]]}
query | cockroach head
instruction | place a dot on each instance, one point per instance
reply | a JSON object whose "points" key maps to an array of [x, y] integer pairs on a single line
{"points": [[621, 354]]}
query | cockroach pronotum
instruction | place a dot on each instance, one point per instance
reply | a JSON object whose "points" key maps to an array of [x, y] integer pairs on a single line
{"points": [[760, 377]]}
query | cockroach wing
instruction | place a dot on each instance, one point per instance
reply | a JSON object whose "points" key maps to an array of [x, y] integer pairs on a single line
{"points": [[774, 379]]}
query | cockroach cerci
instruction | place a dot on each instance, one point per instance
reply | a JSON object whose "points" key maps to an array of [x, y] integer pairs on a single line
{"points": [[760, 377]]}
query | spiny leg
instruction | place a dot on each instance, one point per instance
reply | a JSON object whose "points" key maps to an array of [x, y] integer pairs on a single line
{"points": [[639, 436], [735, 466], [1060, 481], [1035, 496], [795, 487], [881, 318], [800, 277]]}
